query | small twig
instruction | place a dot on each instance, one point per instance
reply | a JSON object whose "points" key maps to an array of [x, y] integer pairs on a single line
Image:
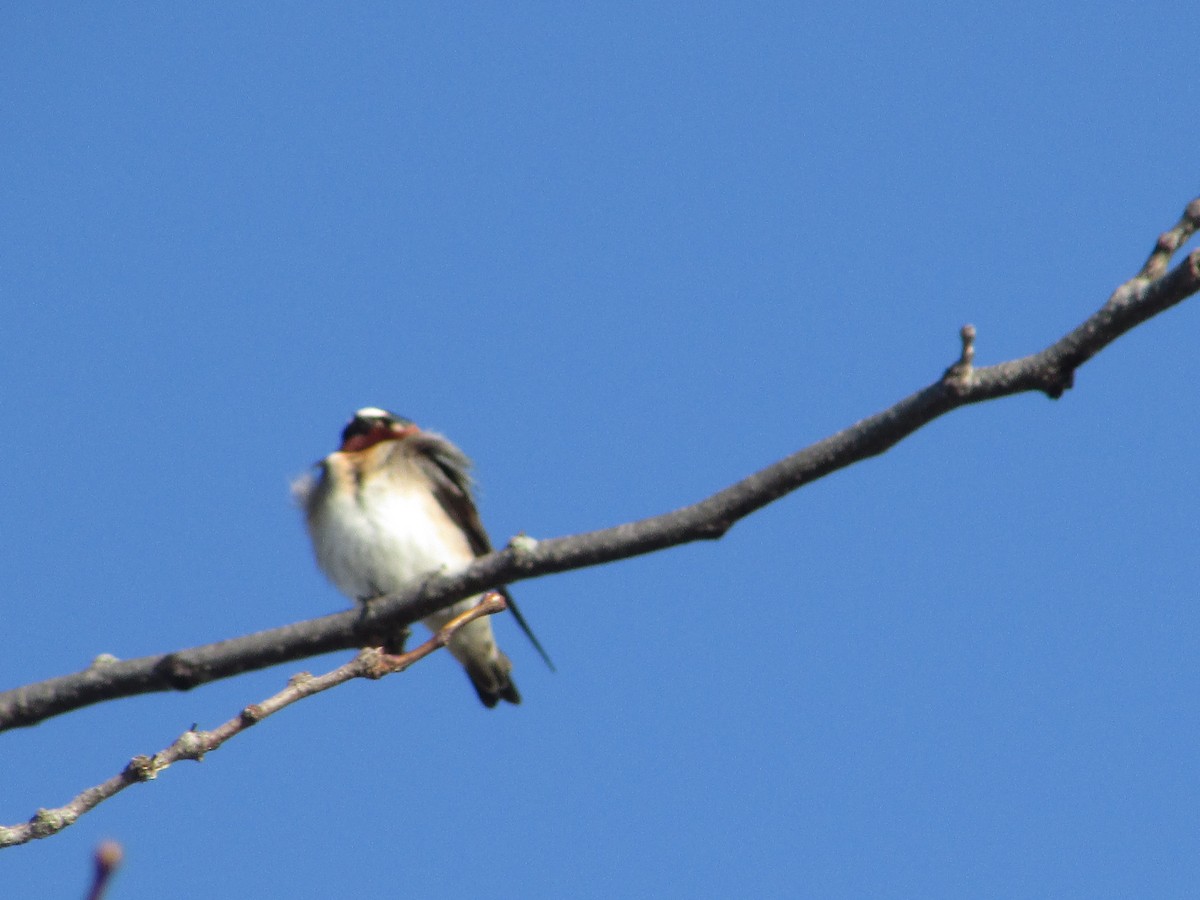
{"points": [[108, 859], [1169, 242], [959, 373], [370, 662]]}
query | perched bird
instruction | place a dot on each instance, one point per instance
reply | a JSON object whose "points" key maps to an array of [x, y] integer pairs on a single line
{"points": [[392, 506]]}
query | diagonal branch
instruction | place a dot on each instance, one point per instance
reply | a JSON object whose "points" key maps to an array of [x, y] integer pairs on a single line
{"points": [[1154, 289], [368, 663]]}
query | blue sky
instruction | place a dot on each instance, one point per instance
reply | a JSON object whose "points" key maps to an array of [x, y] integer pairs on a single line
{"points": [[623, 255]]}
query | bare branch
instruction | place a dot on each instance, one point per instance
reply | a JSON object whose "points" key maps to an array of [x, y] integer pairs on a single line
{"points": [[1051, 372], [368, 663]]}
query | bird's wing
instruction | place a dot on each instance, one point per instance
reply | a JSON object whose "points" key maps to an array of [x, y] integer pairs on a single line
{"points": [[448, 470]]}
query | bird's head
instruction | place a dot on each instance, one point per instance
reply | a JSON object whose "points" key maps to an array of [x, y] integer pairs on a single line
{"points": [[371, 425]]}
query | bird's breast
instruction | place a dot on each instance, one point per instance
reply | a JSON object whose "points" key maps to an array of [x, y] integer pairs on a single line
{"points": [[376, 535]]}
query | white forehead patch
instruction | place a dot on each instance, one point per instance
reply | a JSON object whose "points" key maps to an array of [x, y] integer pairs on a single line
{"points": [[372, 412]]}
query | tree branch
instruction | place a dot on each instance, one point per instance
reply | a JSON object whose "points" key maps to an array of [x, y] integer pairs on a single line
{"points": [[1052, 371], [370, 663]]}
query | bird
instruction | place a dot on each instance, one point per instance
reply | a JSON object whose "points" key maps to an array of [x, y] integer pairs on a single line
{"points": [[392, 506]]}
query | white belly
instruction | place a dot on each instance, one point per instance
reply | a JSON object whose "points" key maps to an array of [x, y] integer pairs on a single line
{"points": [[384, 539]]}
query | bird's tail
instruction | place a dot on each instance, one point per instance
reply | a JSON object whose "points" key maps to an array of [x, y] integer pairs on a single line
{"points": [[492, 680], [474, 645]]}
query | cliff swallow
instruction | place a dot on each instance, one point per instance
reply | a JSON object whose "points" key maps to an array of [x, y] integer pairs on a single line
{"points": [[392, 506]]}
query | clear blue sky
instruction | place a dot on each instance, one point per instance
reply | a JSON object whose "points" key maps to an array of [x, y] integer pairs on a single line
{"points": [[623, 255]]}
